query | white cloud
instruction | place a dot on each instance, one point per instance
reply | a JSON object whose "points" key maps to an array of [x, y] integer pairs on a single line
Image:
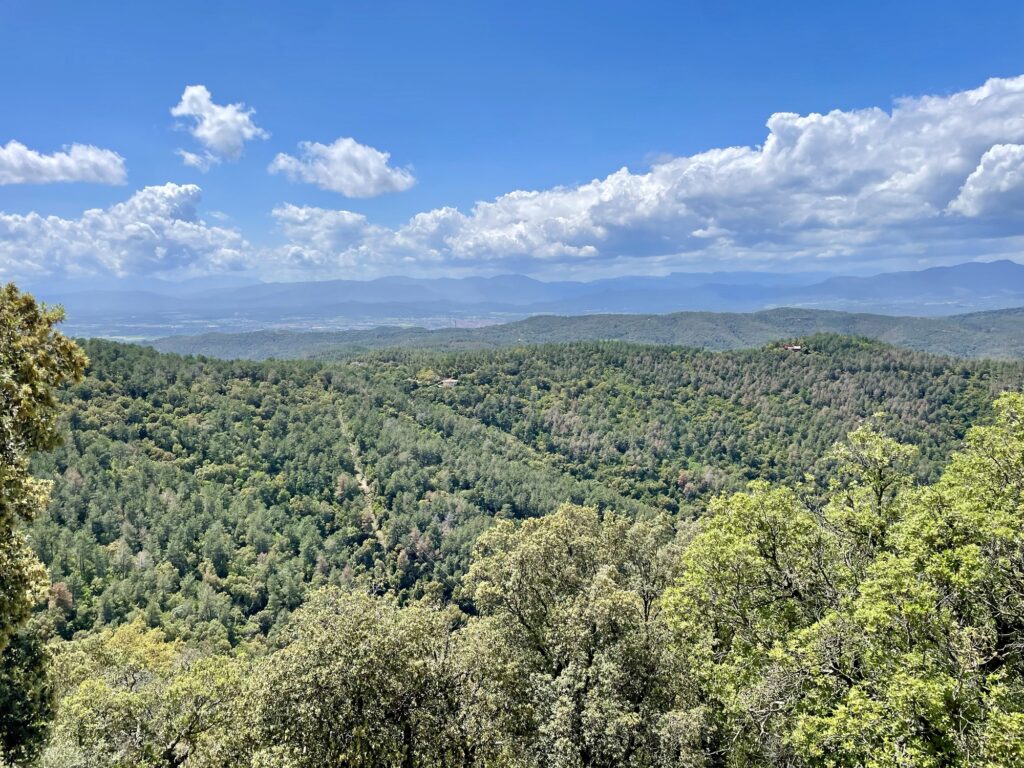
{"points": [[938, 178], [79, 162], [321, 238], [203, 161], [221, 129], [996, 186], [346, 166], [156, 231]]}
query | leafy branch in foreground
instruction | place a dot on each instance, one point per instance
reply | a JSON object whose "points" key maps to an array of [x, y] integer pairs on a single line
{"points": [[885, 629], [34, 360]]}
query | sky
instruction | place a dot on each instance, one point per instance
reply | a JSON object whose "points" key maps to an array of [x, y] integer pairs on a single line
{"points": [[295, 141]]}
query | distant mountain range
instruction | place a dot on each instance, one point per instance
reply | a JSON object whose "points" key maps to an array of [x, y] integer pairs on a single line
{"points": [[232, 305], [997, 334]]}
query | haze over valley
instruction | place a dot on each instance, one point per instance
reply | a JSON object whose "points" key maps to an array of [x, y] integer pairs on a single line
{"points": [[200, 306]]}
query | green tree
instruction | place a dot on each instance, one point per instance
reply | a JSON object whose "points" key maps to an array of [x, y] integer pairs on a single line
{"points": [[26, 698], [761, 568], [131, 698], [884, 628], [573, 604], [360, 682], [931, 671], [34, 360]]}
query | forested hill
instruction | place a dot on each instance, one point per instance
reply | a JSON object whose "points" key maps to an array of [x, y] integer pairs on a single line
{"points": [[208, 497], [586, 554], [997, 334]]}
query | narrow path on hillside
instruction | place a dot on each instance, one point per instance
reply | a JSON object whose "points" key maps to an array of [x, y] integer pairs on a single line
{"points": [[369, 497]]}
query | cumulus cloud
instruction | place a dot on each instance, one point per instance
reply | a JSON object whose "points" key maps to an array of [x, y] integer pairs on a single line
{"points": [[346, 166], [996, 186], [222, 130], [322, 239], [156, 231], [935, 178], [79, 162]]}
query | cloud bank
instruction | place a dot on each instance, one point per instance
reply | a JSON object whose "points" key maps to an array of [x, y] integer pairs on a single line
{"points": [[222, 130], [79, 162], [938, 179], [157, 231], [346, 166]]}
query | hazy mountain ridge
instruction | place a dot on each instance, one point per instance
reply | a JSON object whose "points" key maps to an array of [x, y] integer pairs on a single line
{"points": [[439, 302], [998, 334]]}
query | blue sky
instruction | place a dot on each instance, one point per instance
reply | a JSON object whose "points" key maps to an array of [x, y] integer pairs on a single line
{"points": [[475, 101]]}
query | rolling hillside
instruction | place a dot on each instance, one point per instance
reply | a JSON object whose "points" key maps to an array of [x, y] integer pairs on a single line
{"points": [[997, 334], [243, 485]]}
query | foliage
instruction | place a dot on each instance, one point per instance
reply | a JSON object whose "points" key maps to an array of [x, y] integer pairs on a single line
{"points": [[578, 555], [26, 698], [879, 628], [823, 640], [572, 600], [363, 682], [208, 498], [131, 698], [34, 360]]}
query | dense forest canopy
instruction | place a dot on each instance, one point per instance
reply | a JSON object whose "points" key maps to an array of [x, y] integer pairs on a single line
{"points": [[209, 497], [585, 554], [877, 626]]}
